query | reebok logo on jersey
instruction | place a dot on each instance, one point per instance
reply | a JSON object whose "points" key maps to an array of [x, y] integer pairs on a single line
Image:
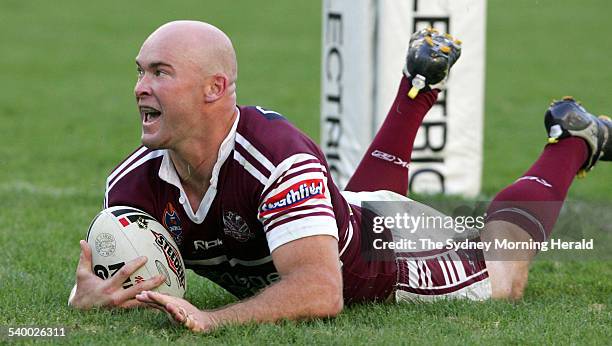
{"points": [[294, 195]]}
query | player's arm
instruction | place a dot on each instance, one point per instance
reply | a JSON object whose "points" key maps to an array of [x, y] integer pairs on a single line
{"points": [[302, 235], [310, 287]]}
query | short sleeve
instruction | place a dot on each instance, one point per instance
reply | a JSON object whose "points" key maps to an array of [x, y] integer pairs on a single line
{"points": [[296, 202]]}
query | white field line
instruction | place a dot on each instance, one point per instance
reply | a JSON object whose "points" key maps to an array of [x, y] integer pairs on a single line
{"points": [[26, 187]]}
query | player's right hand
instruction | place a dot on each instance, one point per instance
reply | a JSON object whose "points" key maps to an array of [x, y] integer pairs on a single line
{"points": [[91, 291]]}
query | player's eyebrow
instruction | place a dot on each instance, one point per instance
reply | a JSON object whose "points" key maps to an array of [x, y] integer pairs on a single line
{"points": [[155, 64]]}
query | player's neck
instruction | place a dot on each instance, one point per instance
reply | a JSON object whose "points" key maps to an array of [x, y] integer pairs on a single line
{"points": [[194, 159], [194, 177]]}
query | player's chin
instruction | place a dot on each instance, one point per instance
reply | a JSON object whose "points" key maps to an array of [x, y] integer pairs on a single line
{"points": [[151, 140]]}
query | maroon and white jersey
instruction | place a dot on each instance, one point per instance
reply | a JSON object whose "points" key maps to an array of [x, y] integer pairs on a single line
{"points": [[269, 186]]}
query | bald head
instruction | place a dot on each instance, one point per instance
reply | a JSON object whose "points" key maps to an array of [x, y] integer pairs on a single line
{"points": [[202, 45]]}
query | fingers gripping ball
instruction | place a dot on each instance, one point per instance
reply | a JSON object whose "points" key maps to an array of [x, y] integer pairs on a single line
{"points": [[120, 234]]}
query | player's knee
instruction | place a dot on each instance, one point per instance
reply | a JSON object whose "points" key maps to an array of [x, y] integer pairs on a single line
{"points": [[508, 279], [335, 307], [334, 302], [518, 288], [511, 291]]}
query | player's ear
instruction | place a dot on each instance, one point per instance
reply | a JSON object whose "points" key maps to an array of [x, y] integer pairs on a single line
{"points": [[215, 87]]}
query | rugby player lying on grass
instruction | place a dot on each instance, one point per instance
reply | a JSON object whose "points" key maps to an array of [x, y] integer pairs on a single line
{"points": [[252, 206]]}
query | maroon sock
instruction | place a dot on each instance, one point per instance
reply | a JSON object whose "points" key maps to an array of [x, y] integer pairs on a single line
{"points": [[385, 163], [533, 201]]}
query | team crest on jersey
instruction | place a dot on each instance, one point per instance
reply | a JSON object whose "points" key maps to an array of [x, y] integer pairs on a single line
{"points": [[234, 226], [172, 222], [292, 196]]}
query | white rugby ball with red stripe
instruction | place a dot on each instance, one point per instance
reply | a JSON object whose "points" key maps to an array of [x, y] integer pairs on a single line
{"points": [[120, 234]]}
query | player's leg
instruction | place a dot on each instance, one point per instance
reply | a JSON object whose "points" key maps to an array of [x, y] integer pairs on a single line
{"points": [[528, 209], [525, 210], [385, 163]]}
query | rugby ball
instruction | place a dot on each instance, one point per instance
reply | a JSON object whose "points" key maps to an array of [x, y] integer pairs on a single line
{"points": [[120, 234]]}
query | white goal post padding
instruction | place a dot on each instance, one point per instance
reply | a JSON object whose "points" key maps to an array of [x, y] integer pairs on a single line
{"points": [[364, 47]]}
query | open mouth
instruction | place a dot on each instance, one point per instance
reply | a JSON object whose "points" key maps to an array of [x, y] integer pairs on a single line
{"points": [[149, 114]]}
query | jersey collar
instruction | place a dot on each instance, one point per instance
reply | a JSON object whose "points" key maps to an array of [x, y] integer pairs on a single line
{"points": [[167, 172]]}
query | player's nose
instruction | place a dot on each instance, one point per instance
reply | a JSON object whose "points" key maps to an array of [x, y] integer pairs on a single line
{"points": [[142, 88]]}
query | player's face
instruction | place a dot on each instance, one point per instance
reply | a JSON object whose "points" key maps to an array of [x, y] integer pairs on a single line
{"points": [[168, 95]]}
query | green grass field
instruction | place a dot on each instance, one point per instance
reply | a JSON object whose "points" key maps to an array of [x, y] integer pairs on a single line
{"points": [[68, 116]]}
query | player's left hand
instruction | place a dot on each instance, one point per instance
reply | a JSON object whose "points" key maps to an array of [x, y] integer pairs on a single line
{"points": [[179, 310]]}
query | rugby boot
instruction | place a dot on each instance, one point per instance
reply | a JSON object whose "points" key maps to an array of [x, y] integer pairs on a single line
{"points": [[429, 59], [567, 118]]}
